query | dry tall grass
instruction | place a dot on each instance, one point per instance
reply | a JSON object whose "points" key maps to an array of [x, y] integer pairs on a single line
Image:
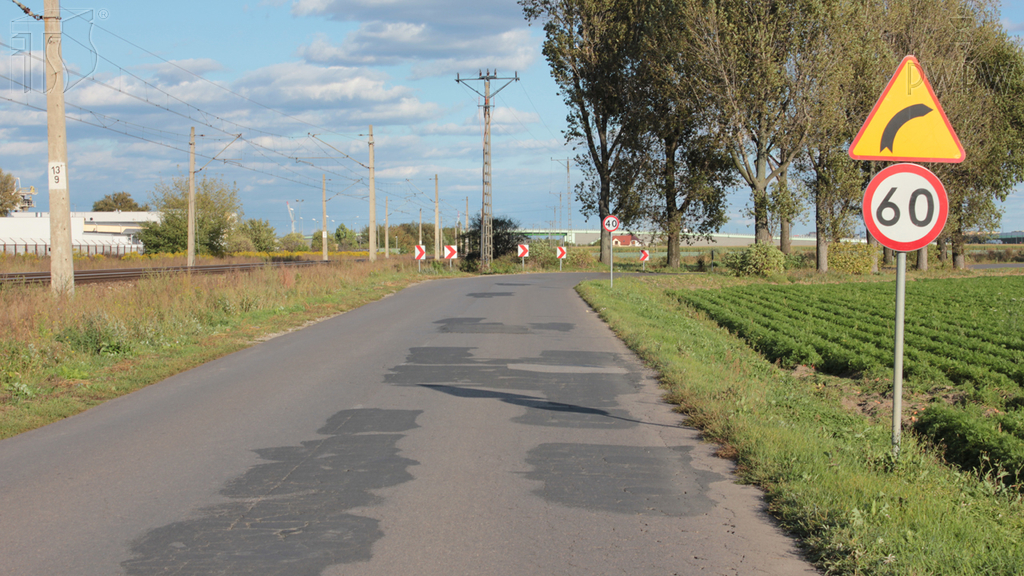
{"points": [[43, 335]]}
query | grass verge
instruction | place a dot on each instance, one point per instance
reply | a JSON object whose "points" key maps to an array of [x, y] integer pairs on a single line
{"points": [[826, 471]]}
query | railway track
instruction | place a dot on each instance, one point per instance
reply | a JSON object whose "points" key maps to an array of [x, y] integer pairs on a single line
{"points": [[126, 274]]}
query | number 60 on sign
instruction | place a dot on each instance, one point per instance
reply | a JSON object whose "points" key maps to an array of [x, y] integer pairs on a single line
{"points": [[905, 207]]}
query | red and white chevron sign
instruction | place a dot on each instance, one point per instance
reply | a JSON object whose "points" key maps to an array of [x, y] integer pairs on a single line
{"points": [[560, 252], [421, 252], [645, 255], [524, 250], [451, 252]]}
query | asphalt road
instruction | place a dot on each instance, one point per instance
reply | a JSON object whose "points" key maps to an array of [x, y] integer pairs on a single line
{"points": [[478, 426]]}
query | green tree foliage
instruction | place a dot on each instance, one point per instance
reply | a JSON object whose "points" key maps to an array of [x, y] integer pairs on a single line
{"points": [[756, 66], [293, 242], [9, 199], [506, 240], [345, 237], [588, 44], [217, 209], [317, 243], [678, 170], [259, 233], [118, 201]]}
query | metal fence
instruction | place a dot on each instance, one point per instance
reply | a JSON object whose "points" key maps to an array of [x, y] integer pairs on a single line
{"points": [[41, 249]]}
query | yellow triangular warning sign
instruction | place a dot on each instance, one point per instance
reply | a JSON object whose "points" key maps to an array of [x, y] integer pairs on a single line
{"points": [[908, 123]]}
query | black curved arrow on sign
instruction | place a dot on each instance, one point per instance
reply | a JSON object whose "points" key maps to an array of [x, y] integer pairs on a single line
{"points": [[897, 122]]}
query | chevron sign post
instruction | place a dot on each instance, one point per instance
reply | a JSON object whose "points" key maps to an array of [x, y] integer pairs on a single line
{"points": [[419, 253], [450, 253], [560, 254], [524, 251], [644, 257]]}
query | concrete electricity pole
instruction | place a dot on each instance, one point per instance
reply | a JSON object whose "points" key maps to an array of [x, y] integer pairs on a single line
{"points": [[568, 195], [373, 205], [487, 212], [323, 234], [437, 221], [466, 238], [420, 242], [387, 231], [62, 267], [190, 259]]}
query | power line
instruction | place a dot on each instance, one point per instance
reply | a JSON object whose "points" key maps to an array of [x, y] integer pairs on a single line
{"points": [[228, 90]]}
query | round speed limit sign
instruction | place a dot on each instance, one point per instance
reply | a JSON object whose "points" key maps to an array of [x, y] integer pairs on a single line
{"points": [[610, 223], [905, 207]]}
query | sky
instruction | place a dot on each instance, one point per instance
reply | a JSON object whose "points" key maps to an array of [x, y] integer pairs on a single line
{"points": [[302, 81]]}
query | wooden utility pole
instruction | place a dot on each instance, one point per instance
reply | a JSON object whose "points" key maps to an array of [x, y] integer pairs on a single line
{"points": [[421, 228], [62, 266], [373, 206], [487, 211], [387, 231], [190, 258], [437, 220], [323, 236], [466, 238]]}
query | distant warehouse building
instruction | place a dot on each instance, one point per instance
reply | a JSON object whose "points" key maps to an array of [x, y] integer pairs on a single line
{"points": [[107, 233]]}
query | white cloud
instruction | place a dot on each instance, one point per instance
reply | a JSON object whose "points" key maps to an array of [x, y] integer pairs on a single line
{"points": [[1011, 26], [307, 84], [462, 16], [434, 52], [180, 71]]}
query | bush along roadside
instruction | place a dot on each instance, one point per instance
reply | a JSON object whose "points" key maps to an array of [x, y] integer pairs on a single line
{"points": [[826, 471]]}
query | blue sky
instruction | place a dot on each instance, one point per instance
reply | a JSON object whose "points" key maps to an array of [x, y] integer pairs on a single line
{"points": [[276, 71]]}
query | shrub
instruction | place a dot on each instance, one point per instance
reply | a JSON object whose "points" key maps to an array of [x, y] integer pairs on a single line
{"points": [[852, 258], [758, 260], [577, 258]]}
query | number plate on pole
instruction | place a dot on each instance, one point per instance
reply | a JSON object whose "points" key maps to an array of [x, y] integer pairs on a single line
{"points": [[905, 207]]}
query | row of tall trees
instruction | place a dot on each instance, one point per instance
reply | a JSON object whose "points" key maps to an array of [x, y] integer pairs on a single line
{"points": [[674, 102]]}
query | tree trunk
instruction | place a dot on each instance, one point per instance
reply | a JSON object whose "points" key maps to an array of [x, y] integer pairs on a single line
{"points": [[671, 207], [959, 250], [603, 210], [922, 259], [873, 242], [785, 239], [762, 231], [943, 249], [887, 256], [821, 236]]}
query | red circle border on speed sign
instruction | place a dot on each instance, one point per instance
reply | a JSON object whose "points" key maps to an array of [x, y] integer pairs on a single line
{"points": [[610, 223], [877, 205]]}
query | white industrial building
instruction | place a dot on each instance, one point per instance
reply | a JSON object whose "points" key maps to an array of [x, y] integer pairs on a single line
{"points": [[108, 233]]}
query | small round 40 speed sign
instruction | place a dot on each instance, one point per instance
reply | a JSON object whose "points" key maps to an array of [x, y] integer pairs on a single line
{"points": [[905, 207]]}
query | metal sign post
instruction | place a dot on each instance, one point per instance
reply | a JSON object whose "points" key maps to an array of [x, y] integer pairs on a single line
{"points": [[897, 372], [905, 208], [611, 224]]}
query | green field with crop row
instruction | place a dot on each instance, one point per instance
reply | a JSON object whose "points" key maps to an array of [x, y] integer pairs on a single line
{"points": [[963, 342], [959, 332]]}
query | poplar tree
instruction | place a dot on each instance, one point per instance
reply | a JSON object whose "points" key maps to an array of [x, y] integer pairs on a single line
{"points": [[587, 45]]}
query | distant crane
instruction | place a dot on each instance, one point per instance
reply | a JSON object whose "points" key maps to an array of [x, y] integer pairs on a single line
{"points": [[291, 214]]}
